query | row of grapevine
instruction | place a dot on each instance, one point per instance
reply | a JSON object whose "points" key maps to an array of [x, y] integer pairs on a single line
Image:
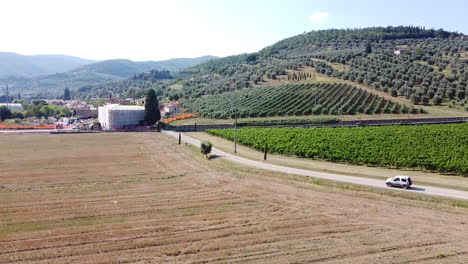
{"points": [[441, 148], [292, 99]]}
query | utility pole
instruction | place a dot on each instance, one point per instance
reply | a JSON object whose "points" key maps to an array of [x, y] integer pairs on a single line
{"points": [[315, 96], [234, 110], [180, 138], [7, 96], [407, 95], [341, 116], [235, 122]]}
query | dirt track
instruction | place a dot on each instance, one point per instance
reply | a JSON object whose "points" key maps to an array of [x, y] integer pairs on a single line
{"points": [[140, 197]]}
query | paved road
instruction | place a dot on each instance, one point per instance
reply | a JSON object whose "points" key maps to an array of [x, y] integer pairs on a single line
{"points": [[330, 176]]}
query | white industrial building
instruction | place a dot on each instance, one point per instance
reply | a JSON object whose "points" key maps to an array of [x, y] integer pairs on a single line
{"points": [[118, 116], [13, 107]]}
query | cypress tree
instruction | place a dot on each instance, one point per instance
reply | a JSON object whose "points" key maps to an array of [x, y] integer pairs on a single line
{"points": [[66, 94], [152, 114], [368, 48]]}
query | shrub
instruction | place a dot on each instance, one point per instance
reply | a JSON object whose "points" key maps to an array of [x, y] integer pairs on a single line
{"points": [[206, 148], [17, 114]]}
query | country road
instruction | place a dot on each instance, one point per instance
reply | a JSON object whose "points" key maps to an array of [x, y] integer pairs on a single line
{"points": [[330, 176]]}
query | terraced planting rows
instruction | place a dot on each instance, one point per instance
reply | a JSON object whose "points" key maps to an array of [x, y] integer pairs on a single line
{"points": [[294, 99], [441, 148]]}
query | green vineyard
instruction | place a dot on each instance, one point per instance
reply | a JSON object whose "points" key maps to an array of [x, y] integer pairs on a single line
{"points": [[294, 100], [441, 148]]}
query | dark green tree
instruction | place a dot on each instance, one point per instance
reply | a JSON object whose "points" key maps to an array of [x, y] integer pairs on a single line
{"points": [[66, 94], [206, 148], [437, 100], [17, 114], [47, 111], [368, 48], [152, 114], [251, 58], [5, 113]]}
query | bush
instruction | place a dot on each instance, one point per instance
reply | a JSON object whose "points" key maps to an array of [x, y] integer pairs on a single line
{"points": [[206, 148], [437, 100], [17, 114], [5, 113]]}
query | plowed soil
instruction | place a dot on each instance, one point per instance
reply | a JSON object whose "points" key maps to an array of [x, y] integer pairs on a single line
{"points": [[141, 198]]}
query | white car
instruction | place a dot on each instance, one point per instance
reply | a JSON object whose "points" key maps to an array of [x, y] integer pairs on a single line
{"points": [[404, 182]]}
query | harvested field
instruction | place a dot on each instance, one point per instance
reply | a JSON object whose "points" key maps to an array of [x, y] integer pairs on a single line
{"points": [[140, 197]]}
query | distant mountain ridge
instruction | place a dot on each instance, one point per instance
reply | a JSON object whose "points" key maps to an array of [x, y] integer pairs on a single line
{"points": [[52, 85], [126, 68], [13, 64]]}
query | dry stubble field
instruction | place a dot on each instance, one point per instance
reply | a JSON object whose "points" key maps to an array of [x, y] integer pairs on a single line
{"points": [[140, 197]]}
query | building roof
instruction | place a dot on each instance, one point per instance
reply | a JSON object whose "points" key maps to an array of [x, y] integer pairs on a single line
{"points": [[13, 107], [11, 104]]}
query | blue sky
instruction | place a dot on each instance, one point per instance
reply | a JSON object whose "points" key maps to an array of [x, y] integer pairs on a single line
{"points": [[158, 29]]}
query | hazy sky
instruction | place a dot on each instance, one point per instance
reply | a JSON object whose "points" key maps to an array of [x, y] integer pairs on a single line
{"points": [[158, 29]]}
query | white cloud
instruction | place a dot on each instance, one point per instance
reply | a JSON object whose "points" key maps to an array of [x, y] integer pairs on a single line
{"points": [[318, 17]]}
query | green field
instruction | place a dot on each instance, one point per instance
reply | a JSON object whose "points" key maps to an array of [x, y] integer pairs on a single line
{"points": [[441, 148]]}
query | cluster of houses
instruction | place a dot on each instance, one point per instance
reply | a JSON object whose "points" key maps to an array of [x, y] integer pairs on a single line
{"points": [[117, 112], [80, 109]]}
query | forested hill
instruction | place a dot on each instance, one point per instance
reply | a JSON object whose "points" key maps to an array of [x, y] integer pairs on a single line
{"points": [[127, 68], [134, 86], [424, 65], [366, 34]]}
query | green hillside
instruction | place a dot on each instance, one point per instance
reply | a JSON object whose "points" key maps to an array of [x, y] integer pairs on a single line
{"points": [[135, 86], [430, 69]]}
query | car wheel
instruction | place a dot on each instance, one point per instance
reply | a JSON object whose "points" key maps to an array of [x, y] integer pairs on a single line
{"points": [[404, 186], [389, 185]]}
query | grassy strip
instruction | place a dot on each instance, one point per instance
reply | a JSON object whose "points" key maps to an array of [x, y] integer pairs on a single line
{"points": [[323, 120]]}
